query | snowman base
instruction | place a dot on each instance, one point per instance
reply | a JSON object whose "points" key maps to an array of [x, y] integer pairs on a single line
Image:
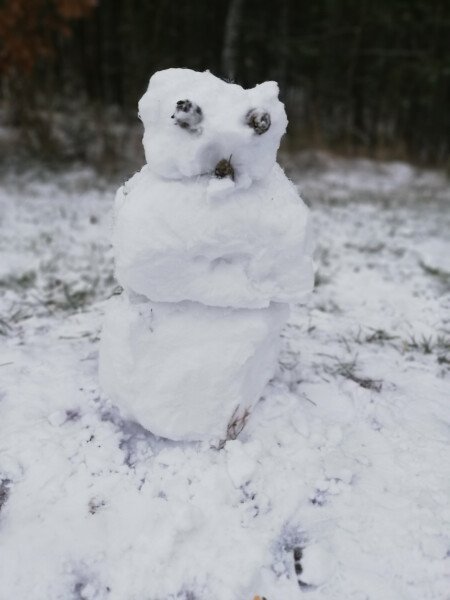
{"points": [[186, 371]]}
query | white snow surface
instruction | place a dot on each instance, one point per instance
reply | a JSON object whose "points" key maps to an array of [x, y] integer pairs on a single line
{"points": [[184, 371], [175, 152], [347, 457], [212, 237], [172, 242]]}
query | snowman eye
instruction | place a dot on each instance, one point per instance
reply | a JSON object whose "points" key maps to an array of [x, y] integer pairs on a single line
{"points": [[258, 119], [187, 115]]}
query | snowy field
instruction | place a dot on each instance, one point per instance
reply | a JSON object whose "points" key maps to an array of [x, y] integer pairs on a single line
{"points": [[338, 488]]}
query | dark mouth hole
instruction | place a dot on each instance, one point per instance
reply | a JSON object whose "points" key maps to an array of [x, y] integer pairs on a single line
{"points": [[224, 169]]}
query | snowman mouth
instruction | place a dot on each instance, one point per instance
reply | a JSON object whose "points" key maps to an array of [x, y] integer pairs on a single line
{"points": [[224, 169]]}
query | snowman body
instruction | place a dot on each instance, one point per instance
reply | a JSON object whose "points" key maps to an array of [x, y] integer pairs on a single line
{"points": [[212, 245]]}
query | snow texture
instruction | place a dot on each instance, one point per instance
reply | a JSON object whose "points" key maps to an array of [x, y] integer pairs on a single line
{"points": [[173, 243], [210, 246], [224, 128], [348, 457], [185, 370]]}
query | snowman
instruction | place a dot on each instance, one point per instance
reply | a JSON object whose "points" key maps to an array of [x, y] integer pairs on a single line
{"points": [[212, 246]]}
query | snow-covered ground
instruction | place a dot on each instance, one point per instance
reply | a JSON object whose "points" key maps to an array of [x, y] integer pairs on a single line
{"points": [[340, 480]]}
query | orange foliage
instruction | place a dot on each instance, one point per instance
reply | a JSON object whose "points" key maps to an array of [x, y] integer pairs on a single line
{"points": [[28, 28]]}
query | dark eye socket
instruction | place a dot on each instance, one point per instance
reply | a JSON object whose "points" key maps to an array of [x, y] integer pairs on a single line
{"points": [[184, 105], [188, 115], [258, 119]]}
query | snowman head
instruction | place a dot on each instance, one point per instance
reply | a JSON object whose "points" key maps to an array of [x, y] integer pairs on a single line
{"points": [[198, 125]]}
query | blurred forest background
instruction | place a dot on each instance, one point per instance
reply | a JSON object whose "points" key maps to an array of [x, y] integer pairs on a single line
{"points": [[359, 77]]}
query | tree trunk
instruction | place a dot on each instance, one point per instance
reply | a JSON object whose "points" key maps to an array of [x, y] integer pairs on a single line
{"points": [[230, 51]]}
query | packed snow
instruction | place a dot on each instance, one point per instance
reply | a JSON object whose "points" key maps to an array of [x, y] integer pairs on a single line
{"points": [[186, 371], [339, 485], [172, 243], [217, 121], [189, 349]]}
